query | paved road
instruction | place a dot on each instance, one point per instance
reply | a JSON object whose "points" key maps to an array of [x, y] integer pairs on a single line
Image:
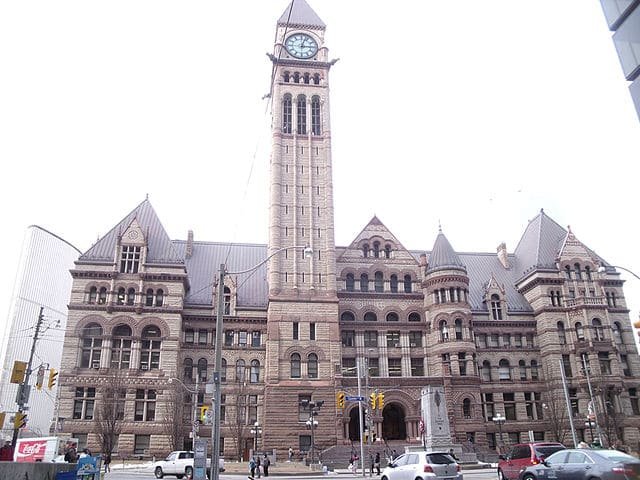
{"points": [[147, 474]]}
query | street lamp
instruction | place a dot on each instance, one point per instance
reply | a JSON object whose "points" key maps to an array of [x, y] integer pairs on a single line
{"points": [[312, 423], [499, 420], [603, 269], [215, 430], [590, 423], [257, 430]]}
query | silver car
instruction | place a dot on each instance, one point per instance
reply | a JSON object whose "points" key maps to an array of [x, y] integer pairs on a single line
{"points": [[423, 466]]}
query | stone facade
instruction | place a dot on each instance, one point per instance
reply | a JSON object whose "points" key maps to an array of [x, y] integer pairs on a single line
{"points": [[490, 330]]}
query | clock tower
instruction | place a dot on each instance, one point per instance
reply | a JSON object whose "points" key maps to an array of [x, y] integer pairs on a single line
{"points": [[303, 343]]}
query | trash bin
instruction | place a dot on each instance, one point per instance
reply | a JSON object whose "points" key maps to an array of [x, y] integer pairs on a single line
{"points": [[71, 475]]}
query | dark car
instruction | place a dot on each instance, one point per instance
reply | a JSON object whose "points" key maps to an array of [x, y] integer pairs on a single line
{"points": [[524, 455], [585, 464]]}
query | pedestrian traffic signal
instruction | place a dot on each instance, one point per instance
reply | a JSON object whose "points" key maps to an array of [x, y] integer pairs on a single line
{"points": [[203, 412], [373, 398], [340, 397], [381, 400], [40, 378], [53, 378], [20, 420]]}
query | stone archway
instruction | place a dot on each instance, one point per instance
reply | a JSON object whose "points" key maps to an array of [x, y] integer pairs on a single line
{"points": [[354, 425], [393, 422]]}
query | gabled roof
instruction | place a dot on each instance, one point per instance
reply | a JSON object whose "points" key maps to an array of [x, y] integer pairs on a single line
{"points": [[160, 249], [300, 14], [443, 255], [539, 245]]}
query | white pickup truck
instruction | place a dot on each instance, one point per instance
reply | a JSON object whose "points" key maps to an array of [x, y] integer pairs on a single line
{"points": [[179, 463]]}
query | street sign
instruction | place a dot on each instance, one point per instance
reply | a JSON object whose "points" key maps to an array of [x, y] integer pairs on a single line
{"points": [[354, 399], [18, 372]]}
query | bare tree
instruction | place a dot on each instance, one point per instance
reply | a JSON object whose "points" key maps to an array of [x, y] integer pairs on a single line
{"points": [[110, 412], [177, 415], [238, 422], [555, 406]]}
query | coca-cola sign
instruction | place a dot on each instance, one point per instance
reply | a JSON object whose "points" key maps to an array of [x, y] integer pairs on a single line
{"points": [[31, 450]]}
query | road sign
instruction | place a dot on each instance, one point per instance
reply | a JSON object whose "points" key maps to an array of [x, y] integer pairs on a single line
{"points": [[18, 372], [354, 399]]}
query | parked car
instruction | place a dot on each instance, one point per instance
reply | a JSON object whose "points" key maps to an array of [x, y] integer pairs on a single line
{"points": [[423, 466], [524, 455], [180, 463], [584, 464]]}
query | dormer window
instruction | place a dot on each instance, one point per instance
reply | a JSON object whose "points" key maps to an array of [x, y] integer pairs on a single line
{"points": [[227, 301], [130, 259], [496, 308]]}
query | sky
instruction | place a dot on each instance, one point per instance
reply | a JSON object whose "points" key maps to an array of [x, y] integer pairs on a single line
{"points": [[468, 114]]}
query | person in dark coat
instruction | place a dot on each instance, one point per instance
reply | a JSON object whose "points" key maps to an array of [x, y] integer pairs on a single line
{"points": [[265, 465], [6, 452], [376, 463]]}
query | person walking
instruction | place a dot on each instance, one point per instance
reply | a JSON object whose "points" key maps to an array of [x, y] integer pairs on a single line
{"points": [[258, 465], [252, 468], [290, 454], [107, 462], [376, 463], [265, 465], [6, 452]]}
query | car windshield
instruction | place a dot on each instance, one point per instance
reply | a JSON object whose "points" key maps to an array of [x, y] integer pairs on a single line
{"points": [[615, 456], [546, 450], [439, 459]]}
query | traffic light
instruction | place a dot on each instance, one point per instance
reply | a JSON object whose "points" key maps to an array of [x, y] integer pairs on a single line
{"points": [[373, 398], [40, 378], [2, 417], [203, 412], [20, 420], [53, 377], [381, 400], [340, 399], [18, 372]]}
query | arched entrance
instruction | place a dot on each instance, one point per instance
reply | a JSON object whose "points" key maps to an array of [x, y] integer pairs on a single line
{"points": [[354, 425], [393, 423]]}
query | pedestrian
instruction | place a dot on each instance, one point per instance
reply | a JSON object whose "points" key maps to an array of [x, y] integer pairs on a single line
{"points": [[71, 455], [258, 465], [6, 452], [252, 468], [452, 454], [371, 464], [107, 462], [265, 465], [376, 462], [290, 453]]}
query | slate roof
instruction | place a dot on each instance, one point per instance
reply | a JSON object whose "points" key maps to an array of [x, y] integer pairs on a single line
{"points": [[443, 255], [161, 248], [539, 245], [302, 15]]}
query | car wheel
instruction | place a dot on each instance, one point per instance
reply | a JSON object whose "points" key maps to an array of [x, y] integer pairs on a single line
{"points": [[528, 476], [188, 471], [158, 472], [179, 476], [384, 478], [501, 475]]}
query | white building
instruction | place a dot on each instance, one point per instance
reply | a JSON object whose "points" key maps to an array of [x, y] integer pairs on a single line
{"points": [[42, 280]]}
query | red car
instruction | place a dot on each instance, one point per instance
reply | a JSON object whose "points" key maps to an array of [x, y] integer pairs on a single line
{"points": [[524, 455]]}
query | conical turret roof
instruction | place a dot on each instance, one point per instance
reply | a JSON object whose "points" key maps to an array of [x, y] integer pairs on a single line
{"points": [[443, 256], [300, 14]]}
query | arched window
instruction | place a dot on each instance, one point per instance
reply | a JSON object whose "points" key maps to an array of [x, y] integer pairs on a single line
{"points": [[407, 284], [286, 77], [93, 295], [392, 317], [523, 369], [364, 282], [578, 271], [486, 371], [295, 365], [534, 370], [365, 250], [159, 297], [187, 369], [315, 116], [240, 370], [393, 283], [444, 331], [223, 371], [91, 346], [121, 347], [149, 298], [227, 301], [579, 331], [562, 335], [202, 370], [312, 365], [414, 317], [131, 296], [296, 77], [458, 327], [347, 317], [150, 347], [301, 110], [316, 79], [587, 271], [350, 282], [598, 332], [255, 371], [379, 282], [496, 308], [120, 296], [287, 114], [617, 332], [466, 408], [387, 251], [504, 370], [567, 272], [370, 317], [376, 249], [306, 78]]}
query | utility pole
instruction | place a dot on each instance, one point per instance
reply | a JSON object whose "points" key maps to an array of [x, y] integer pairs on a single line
{"points": [[23, 388]]}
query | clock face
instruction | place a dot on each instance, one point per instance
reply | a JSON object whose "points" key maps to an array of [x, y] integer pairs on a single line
{"points": [[300, 45]]}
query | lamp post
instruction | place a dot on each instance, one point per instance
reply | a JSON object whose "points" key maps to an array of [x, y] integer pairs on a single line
{"points": [[215, 430], [589, 423], [257, 430], [499, 420], [603, 269], [314, 410], [194, 393], [593, 404]]}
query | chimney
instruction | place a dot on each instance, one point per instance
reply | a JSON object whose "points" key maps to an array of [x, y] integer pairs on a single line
{"points": [[423, 260], [502, 255], [189, 250]]}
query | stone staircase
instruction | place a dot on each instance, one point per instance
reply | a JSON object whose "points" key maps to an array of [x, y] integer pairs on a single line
{"points": [[338, 456]]}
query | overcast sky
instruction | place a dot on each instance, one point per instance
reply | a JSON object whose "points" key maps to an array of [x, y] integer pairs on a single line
{"points": [[471, 113]]}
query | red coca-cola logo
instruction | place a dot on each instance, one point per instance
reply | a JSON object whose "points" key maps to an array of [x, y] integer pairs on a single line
{"points": [[31, 450]]}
